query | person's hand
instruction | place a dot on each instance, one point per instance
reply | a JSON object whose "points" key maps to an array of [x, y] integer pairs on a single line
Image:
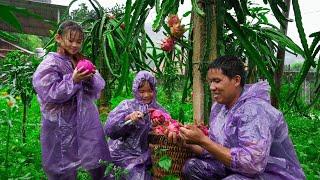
{"points": [[172, 137], [134, 116], [94, 69], [156, 121], [78, 76], [191, 134]]}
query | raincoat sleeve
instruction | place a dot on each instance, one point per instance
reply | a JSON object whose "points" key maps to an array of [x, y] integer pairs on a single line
{"points": [[254, 140], [94, 86], [115, 125], [52, 86]]}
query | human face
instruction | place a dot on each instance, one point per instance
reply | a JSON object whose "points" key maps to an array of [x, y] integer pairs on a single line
{"points": [[71, 42], [224, 90], [146, 93]]}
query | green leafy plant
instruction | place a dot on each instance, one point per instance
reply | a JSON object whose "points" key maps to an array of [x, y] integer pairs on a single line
{"points": [[7, 116], [165, 162], [170, 177], [16, 74], [114, 171]]}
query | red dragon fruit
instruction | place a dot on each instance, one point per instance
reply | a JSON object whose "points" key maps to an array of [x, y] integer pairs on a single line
{"points": [[177, 30], [123, 26], [204, 129], [173, 19], [159, 130], [174, 127], [167, 44], [158, 114], [86, 65]]}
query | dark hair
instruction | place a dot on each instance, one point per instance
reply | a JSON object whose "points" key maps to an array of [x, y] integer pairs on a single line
{"points": [[70, 26], [230, 66], [143, 82]]}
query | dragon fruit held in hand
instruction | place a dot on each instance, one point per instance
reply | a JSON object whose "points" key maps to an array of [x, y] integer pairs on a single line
{"points": [[174, 126], [159, 130], [167, 123], [204, 129], [86, 64], [158, 114]]}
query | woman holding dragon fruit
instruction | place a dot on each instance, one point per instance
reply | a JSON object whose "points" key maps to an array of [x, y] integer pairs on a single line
{"points": [[71, 132]]}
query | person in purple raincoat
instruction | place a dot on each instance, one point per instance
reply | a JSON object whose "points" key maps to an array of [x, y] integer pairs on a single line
{"points": [[248, 138], [128, 126], [71, 132]]}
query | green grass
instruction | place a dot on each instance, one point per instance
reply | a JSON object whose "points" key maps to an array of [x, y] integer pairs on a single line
{"points": [[25, 159], [305, 135]]}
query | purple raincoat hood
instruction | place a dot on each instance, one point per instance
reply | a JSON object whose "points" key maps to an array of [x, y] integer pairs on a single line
{"points": [[260, 90], [142, 76]]}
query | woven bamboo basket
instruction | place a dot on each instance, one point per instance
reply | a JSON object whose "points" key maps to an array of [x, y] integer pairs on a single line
{"points": [[177, 153]]}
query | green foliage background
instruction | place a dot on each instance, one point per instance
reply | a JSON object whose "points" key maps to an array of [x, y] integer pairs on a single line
{"points": [[25, 159]]}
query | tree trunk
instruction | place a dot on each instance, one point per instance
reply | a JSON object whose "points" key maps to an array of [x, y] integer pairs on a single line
{"points": [[211, 53], [200, 61], [198, 92], [280, 56], [105, 96]]}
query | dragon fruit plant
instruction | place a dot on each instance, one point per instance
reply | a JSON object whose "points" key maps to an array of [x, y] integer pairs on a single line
{"points": [[176, 31]]}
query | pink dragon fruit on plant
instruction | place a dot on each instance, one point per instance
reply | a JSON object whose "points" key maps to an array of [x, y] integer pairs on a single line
{"points": [[123, 26], [167, 44], [177, 30], [173, 19]]}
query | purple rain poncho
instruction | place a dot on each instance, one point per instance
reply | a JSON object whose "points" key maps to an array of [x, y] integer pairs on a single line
{"points": [[128, 144], [258, 138], [71, 134]]}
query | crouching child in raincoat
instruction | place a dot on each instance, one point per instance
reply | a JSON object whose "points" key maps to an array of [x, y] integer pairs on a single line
{"points": [[128, 126], [71, 132]]}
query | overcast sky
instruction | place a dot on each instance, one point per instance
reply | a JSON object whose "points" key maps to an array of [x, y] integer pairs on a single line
{"points": [[310, 10]]}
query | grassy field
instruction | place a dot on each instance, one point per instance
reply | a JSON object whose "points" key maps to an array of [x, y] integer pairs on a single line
{"points": [[24, 160]]}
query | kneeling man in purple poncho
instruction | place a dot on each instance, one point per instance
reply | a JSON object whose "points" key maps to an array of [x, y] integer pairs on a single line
{"points": [[248, 137]]}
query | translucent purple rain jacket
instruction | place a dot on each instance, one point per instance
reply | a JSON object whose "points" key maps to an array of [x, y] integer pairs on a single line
{"points": [[128, 144], [71, 133], [258, 138]]}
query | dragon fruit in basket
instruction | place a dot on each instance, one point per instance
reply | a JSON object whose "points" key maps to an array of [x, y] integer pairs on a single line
{"points": [[167, 123]]}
